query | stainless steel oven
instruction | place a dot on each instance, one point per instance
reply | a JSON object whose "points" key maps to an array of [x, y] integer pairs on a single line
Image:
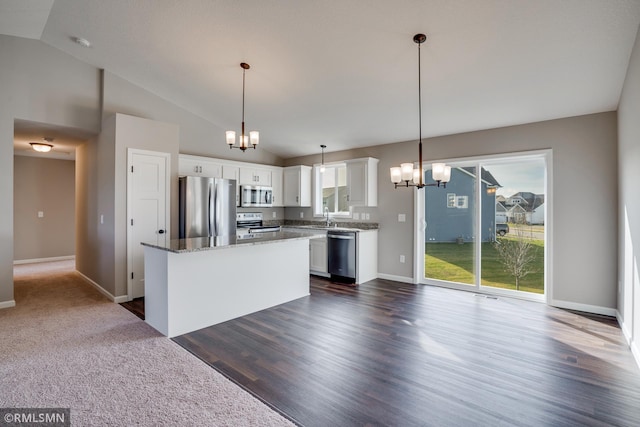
{"points": [[255, 196], [251, 223]]}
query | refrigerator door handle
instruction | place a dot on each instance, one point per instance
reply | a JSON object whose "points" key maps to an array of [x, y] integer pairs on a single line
{"points": [[211, 230], [217, 211]]}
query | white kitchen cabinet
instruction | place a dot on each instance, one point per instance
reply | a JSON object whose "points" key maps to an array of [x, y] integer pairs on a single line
{"points": [[198, 166], [277, 186], [362, 182], [318, 255], [255, 176], [366, 256], [297, 186], [233, 172]]}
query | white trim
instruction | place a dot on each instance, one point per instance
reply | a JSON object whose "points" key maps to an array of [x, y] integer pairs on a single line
{"points": [[633, 345], [587, 308], [635, 350], [548, 225], [623, 327], [7, 304], [395, 278], [103, 291], [478, 162], [37, 260]]}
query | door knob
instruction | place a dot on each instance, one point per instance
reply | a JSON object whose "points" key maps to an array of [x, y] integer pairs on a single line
{"points": [[160, 231]]}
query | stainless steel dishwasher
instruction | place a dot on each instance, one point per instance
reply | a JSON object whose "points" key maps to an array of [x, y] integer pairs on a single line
{"points": [[341, 252]]}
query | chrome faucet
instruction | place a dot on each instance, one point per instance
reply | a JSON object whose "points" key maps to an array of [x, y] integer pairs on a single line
{"points": [[326, 211]]}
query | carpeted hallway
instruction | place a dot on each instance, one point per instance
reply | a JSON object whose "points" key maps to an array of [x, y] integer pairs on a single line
{"points": [[65, 345]]}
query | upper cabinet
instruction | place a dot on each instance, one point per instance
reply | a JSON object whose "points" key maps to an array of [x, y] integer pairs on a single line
{"points": [[243, 173], [198, 166], [277, 186], [250, 175], [362, 182], [232, 172], [297, 186]]}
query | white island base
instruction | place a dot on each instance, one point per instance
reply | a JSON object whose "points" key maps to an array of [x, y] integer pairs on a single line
{"points": [[190, 290]]}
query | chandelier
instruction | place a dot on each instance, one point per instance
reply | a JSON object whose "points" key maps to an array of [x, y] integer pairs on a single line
{"points": [[406, 175], [245, 140]]}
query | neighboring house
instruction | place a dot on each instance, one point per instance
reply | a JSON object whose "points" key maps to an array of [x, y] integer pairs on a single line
{"points": [[537, 216], [501, 211], [525, 208], [450, 212]]}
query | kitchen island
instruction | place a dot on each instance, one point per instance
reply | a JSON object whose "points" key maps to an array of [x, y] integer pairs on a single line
{"points": [[195, 283]]}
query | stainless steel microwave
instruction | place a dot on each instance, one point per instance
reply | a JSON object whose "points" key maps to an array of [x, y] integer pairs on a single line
{"points": [[255, 196]]}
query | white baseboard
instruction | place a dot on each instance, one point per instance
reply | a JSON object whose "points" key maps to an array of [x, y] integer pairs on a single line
{"points": [[103, 291], [36, 260], [635, 350], [594, 309], [623, 327], [7, 304], [633, 344], [395, 278]]}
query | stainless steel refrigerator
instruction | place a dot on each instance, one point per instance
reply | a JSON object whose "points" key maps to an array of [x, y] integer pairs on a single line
{"points": [[207, 207]]}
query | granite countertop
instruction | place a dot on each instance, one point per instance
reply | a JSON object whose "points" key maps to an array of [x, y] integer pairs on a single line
{"points": [[224, 242], [320, 225], [317, 228]]}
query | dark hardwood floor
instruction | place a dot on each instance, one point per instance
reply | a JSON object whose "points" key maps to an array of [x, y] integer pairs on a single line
{"points": [[136, 306], [388, 353]]}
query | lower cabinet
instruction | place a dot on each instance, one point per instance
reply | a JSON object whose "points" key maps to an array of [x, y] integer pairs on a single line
{"points": [[318, 256]]}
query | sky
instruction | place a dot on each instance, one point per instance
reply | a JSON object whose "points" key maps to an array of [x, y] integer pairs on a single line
{"points": [[518, 176]]}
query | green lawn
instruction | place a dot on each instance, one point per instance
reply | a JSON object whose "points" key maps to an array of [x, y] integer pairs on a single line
{"points": [[454, 262]]}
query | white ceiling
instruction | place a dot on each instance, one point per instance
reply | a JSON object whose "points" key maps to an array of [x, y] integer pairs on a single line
{"points": [[344, 72]]}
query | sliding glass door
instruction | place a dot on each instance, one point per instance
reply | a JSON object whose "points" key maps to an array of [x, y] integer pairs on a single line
{"points": [[450, 214], [487, 230]]}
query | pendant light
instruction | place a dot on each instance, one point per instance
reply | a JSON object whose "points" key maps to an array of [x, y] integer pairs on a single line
{"points": [[245, 141], [322, 147], [406, 175]]}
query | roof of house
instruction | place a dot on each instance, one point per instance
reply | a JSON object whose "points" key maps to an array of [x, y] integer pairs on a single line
{"points": [[532, 200], [486, 176]]}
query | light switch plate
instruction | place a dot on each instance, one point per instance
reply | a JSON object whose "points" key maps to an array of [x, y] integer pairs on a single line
{"points": [[301, 214], [402, 218], [40, 214], [356, 215], [273, 215]]}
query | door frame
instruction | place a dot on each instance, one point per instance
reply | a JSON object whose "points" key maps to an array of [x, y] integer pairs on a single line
{"points": [[167, 205], [420, 226]]}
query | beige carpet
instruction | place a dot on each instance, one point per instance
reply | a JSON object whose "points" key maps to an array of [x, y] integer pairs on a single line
{"points": [[65, 345]]}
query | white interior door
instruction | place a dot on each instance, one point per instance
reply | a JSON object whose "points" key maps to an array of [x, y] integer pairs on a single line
{"points": [[148, 210]]}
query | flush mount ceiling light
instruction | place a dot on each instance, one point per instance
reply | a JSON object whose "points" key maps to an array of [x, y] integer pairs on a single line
{"points": [[405, 175], [254, 136], [42, 147], [322, 147]]}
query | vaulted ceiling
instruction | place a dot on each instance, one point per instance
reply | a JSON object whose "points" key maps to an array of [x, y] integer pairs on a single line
{"points": [[344, 72]]}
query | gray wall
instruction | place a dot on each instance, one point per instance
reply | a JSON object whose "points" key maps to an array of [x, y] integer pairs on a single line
{"points": [[39, 84], [197, 135], [43, 185], [42, 84], [584, 172], [629, 203]]}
